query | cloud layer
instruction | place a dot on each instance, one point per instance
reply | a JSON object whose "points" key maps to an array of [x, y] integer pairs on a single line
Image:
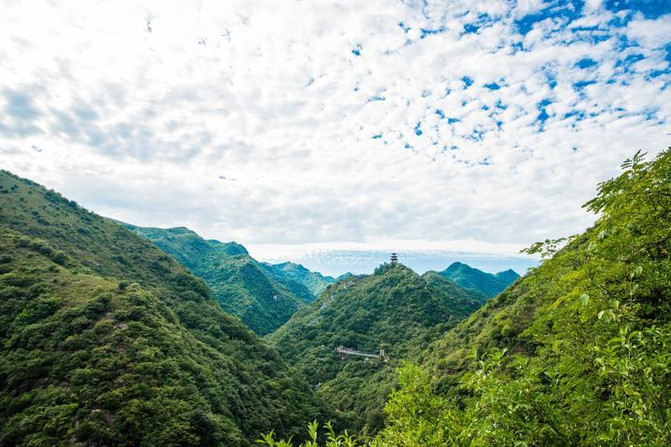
{"points": [[340, 123]]}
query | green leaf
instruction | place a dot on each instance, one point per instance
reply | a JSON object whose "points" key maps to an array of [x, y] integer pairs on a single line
{"points": [[584, 299]]}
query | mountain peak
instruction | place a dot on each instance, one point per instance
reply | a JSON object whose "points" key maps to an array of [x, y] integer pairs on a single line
{"points": [[180, 230], [459, 266], [508, 275], [240, 284], [474, 279], [288, 265], [395, 267]]}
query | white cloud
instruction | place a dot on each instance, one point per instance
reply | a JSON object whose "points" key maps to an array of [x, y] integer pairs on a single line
{"points": [[311, 122]]}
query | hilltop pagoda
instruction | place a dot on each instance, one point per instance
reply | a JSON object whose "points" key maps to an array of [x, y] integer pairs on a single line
{"points": [[394, 258]]}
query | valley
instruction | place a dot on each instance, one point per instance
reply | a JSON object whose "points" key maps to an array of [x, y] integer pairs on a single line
{"points": [[107, 339]]}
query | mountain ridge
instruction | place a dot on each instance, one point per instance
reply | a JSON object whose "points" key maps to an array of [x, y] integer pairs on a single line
{"points": [[470, 278], [314, 281], [241, 284]]}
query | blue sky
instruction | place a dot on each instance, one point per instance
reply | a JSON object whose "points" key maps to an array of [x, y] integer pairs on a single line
{"points": [[297, 127]]}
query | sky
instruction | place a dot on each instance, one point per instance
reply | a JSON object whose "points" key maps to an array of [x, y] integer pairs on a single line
{"points": [[313, 129]]}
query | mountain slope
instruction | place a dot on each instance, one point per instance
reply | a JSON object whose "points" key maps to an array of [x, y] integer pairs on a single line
{"points": [[578, 352], [471, 278], [315, 282], [242, 285], [460, 299], [394, 309], [106, 340]]}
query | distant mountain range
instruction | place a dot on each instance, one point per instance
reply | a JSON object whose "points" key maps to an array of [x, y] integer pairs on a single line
{"points": [[471, 278], [314, 281], [263, 296]]}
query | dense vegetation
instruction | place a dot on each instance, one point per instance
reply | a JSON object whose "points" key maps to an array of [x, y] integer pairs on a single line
{"points": [[577, 353], [244, 287], [106, 340], [470, 278], [394, 310]]}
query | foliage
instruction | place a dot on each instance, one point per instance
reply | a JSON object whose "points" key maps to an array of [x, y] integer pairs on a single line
{"points": [[394, 310], [332, 440], [106, 340], [460, 300], [576, 353]]}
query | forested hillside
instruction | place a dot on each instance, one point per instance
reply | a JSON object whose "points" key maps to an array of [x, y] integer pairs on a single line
{"points": [[394, 310], [449, 288], [289, 271], [243, 286], [106, 340], [576, 353]]}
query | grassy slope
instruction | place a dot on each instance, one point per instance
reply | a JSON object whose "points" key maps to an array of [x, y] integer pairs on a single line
{"points": [[104, 337]]}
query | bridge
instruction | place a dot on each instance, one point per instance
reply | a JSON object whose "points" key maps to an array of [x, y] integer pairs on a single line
{"points": [[349, 351]]}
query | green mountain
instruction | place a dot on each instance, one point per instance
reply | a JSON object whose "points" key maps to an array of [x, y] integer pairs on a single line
{"points": [[394, 310], [289, 271], [450, 290], [263, 299], [576, 353], [471, 278], [106, 340]]}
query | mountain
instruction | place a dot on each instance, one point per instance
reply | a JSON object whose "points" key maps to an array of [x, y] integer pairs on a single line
{"points": [[507, 276], [449, 290], [107, 340], [578, 352], [394, 310], [244, 287], [289, 271], [471, 278]]}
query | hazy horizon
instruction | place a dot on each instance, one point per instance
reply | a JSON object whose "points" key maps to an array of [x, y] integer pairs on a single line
{"points": [[329, 260], [336, 262]]}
